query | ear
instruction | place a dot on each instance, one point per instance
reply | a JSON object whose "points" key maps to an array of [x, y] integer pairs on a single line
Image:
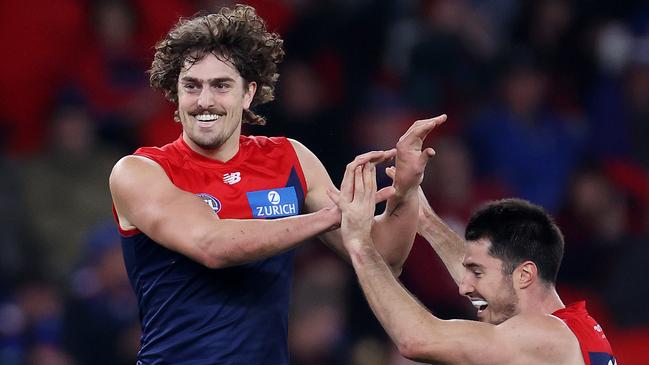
{"points": [[525, 274], [249, 94]]}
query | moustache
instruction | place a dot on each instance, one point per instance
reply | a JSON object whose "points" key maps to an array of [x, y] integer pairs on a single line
{"points": [[206, 111]]}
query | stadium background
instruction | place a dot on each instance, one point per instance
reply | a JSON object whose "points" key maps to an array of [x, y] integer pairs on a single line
{"points": [[547, 100]]}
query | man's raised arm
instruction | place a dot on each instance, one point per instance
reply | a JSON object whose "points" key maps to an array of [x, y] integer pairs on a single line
{"points": [[394, 231], [418, 334], [448, 245]]}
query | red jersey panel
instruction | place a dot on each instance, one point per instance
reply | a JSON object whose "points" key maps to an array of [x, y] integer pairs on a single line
{"points": [[263, 180], [595, 348]]}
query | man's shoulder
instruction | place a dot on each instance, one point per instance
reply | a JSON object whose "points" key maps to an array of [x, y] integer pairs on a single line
{"points": [[542, 336], [537, 324], [166, 149]]}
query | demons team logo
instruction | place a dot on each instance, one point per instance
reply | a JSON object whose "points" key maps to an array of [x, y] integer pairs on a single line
{"points": [[214, 203]]}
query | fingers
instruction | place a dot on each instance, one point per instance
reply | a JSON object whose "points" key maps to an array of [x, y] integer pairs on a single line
{"points": [[374, 157], [372, 183], [359, 183], [422, 130], [334, 196], [346, 188], [384, 194], [369, 181], [391, 172], [427, 154], [438, 120]]}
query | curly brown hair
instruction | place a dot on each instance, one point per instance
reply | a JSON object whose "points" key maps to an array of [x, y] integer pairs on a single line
{"points": [[238, 35]]}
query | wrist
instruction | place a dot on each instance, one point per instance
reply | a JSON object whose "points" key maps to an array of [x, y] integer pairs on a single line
{"points": [[426, 217], [404, 193], [361, 253], [330, 217]]}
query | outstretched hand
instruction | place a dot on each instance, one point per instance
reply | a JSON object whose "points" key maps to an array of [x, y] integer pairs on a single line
{"points": [[411, 159], [373, 157], [357, 202]]}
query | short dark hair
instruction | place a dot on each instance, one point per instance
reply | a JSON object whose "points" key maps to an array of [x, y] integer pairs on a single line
{"points": [[519, 231], [237, 35]]}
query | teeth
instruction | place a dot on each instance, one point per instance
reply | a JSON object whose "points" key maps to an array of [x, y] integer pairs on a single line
{"points": [[478, 303], [207, 117]]}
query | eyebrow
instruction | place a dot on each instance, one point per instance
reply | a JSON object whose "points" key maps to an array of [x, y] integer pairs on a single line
{"points": [[472, 265], [211, 81]]}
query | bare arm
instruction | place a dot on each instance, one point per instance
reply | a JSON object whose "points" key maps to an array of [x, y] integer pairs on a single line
{"points": [[421, 336], [535, 339], [448, 245], [145, 198]]}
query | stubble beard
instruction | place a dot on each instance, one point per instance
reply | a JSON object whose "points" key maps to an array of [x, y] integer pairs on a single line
{"points": [[508, 306], [208, 142]]}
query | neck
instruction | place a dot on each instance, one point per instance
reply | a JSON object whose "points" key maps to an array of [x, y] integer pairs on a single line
{"points": [[542, 299]]}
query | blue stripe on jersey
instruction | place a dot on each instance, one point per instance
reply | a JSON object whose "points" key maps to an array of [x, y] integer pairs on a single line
{"points": [[601, 358], [294, 181]]}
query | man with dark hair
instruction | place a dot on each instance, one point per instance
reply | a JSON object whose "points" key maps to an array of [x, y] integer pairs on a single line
{"points": [[208, 221], [507, 268]]}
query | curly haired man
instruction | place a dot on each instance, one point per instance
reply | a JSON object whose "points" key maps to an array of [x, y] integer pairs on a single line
{"points": [[209, 221]]}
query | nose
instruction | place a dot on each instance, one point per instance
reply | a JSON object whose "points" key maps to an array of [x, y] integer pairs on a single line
{"points": [[206, 98], [466, 287]]}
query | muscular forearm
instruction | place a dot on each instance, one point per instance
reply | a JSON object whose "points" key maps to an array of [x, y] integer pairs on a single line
{"points": [[448, 245], [394, 230], [249, 240], [403, 317], [230, 242], [417, 333]]}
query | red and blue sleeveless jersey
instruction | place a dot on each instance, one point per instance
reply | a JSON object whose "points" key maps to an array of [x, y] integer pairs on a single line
{"points": [[595, 348], [191, 314]]}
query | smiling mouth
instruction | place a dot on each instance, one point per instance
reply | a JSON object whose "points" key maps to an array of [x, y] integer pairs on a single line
{"points": [[479, 304], [207, 120], [207, 117]]}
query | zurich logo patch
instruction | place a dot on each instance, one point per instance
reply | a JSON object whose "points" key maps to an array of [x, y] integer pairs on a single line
{"points": [[214, 203], [273, 203], [273, 197]]}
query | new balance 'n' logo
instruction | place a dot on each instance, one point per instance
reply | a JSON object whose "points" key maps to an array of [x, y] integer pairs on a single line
{"points": [[232, 178]]}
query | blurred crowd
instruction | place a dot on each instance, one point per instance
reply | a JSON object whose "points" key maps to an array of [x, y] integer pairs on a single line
{"points": [[548, 100]]}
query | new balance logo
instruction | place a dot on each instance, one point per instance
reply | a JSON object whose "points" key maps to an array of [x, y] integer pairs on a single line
{"points": [[232, 178]]}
